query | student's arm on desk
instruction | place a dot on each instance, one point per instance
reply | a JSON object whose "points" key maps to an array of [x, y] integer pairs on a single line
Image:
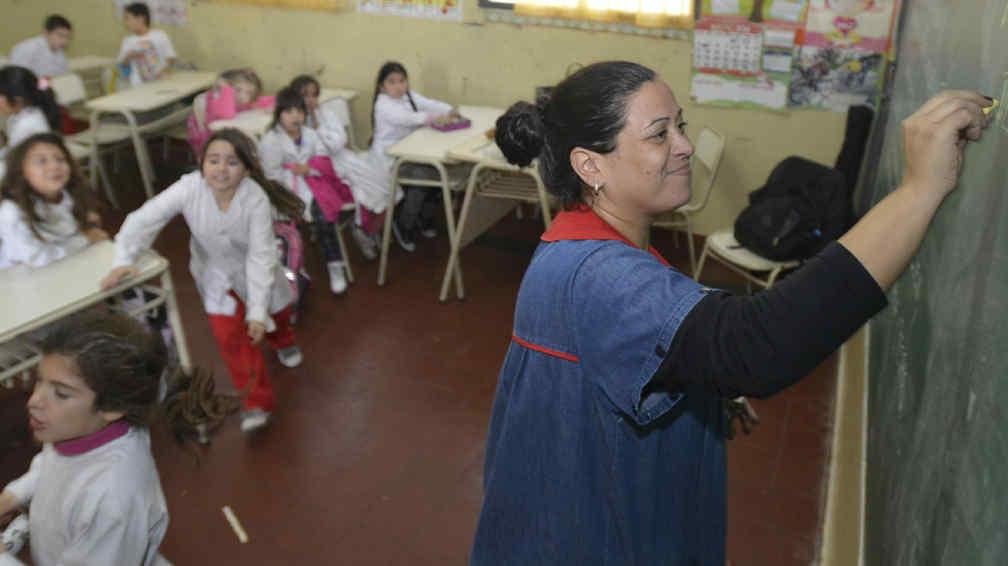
{"points": [[143, 225]]}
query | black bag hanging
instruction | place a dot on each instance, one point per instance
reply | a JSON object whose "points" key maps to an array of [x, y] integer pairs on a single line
{"points": [[802, 207]]}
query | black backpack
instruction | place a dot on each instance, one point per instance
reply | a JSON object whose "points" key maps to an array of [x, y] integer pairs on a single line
{"points": [[802, 207]]}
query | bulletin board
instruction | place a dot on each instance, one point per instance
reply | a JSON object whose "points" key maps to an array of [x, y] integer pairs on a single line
{"points": [[779, 54], [448, 10], [296, 4]]}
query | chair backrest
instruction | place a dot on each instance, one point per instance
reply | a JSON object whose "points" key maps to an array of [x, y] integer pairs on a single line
{"points": [[199, 109], [342, 109], [707, 152], [69, 89]]}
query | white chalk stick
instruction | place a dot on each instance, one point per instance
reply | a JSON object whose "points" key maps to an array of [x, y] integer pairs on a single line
{"points": [[235, 525]]}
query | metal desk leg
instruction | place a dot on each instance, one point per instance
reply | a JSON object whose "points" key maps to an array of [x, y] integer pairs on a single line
{"points": [[143, 156], [97, 167], [446, 195], [175, 319], [387, 228], [456, 240]]}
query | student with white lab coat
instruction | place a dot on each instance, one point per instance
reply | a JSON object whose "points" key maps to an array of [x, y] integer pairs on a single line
{"points": [[398, 112], [228, 205]]}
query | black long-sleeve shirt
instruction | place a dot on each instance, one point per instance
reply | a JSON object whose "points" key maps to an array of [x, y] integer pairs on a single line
{"points": [[759, 344]]}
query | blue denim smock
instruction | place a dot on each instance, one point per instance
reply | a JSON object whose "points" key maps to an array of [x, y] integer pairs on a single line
{"points": [[583, 466]]}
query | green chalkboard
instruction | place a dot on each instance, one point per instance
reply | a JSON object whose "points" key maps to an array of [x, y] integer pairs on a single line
{"points": [[937, 471]]}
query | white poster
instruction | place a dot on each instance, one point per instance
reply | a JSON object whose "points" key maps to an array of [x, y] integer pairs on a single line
{"points": [[163, 12]]}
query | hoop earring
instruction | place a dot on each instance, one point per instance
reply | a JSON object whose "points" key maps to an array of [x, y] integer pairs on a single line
{"points": [[596, 189]]}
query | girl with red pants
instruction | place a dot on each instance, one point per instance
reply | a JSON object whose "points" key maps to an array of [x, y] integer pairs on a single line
{"points": [[229, 207]]}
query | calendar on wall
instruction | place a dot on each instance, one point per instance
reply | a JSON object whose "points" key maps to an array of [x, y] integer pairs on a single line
{"points": [[743, 51], [734, 48]]}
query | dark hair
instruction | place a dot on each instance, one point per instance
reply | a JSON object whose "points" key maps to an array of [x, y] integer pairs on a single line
{"points": [[246, 74], [286, 99], [123, 363], [299, 83], [139, 9], [56, 21], [587, 110], [15, 186], [387, 69], [19, 83], [284, 201]]}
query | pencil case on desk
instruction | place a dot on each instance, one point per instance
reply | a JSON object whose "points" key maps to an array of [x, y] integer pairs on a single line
{"points": [[460, 124]]}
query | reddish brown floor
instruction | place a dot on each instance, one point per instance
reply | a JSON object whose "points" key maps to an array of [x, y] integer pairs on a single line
{"points": [[375, 452]]}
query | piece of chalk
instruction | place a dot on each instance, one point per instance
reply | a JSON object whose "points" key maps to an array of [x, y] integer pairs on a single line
{"points": [[235, 525], [991, 108]]}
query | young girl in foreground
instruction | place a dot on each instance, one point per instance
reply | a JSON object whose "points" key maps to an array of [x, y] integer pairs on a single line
{"points": [[47, 211], [294, 156], [396, 113], [236, 91], [93, 492], [369, 180], [228, 205]]}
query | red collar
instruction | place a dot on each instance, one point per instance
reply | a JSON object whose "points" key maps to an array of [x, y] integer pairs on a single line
{"points": [[583, 223], [78, 446]]}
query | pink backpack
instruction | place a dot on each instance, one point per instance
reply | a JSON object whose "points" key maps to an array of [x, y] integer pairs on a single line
{"points": [[291, 247]]}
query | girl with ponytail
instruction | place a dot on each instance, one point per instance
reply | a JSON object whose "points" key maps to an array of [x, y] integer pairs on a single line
{"points": [[29, 106], [93, 494]]}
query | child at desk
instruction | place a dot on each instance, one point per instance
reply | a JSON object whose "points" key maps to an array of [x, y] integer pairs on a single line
{"points": [[145, 54], [93, 493], [369, 180], [228, 205], [47, 210], [43, 54], [396, 113], [295, 156], [29, 106], [236, 91]]}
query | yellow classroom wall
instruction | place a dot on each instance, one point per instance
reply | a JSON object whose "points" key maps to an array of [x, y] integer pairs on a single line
{"points": [[474, 62]]}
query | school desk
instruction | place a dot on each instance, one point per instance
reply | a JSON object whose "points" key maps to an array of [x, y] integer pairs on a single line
{"points": [[494, 188], [155, 95], [428, 146], [254, 123], [30, 298], [86, 63]]}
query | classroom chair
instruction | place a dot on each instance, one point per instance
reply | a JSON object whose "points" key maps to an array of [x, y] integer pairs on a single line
{"points": [[495, 179], [70, 90], [180, 132], [342, 109], [706, 161], [17, 358], [724, 248]]}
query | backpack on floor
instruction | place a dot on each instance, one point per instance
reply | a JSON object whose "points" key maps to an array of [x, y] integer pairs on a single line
{"points": [[802, 207], [291, 247]]}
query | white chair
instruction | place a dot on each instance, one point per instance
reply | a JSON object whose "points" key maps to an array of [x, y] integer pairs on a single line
{"points": [[342, 109], [180, 132], [724, 248], [17, 358], [708, 150], [494, 179], [69, 90]]}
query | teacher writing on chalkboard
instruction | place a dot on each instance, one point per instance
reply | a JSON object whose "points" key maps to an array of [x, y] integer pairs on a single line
{"points": [[606, 440]]}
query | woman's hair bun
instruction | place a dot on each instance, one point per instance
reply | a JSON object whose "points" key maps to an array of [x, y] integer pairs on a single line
{"points": [[519, 133]]}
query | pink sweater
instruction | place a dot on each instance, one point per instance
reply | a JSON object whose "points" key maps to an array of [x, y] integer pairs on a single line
{"points": [[220, 105]]}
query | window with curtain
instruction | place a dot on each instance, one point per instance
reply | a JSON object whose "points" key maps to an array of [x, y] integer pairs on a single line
{"points": [[642, 13]]}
